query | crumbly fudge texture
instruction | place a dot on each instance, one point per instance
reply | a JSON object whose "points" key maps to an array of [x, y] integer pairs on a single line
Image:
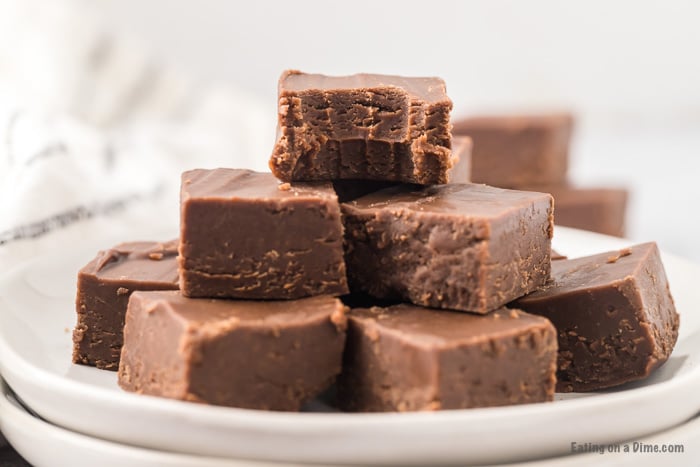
{"points": [[272, 355], [406, 358], [461, 246], [246, 235], [362, 126], [614, 315], [104, 287], [512, 151], [348, 190]]}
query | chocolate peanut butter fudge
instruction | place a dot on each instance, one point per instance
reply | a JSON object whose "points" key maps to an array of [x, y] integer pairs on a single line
{"points": [[460, 246], [271, 355], [104, 287], [614, 315], [246, 235], [363, 126], [513, 151], [406, 358], [348, 190]]}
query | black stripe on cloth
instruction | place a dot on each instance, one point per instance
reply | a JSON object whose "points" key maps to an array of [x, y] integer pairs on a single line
{"points": [[50, 150], [72, 216]]}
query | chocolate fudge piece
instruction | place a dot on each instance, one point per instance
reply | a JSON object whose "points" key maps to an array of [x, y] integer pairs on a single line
{"points": [[104, 287], [614, 315], [272, 355], [410, 358], [348, 190], [461, 170], [599, 210], [461, 246], [363, 126], [511, 151], [245, 235]]}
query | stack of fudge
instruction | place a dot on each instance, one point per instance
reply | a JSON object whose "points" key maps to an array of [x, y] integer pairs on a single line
{"points": [[531, 152], [368, 261]]}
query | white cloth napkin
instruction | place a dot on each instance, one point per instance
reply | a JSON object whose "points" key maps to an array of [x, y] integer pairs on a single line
{"points": [[94, 131]]}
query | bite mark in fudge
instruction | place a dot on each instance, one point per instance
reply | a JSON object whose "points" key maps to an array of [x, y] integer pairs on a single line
{"points": [[245, 235], [406, 358], [513, 151], [461, 246], [362, 126], [348, 190], [104, 287], [599, 210], [272, 355], [614, 315]]}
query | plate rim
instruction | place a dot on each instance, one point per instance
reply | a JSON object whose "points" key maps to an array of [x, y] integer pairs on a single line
{"points": [[21, 374], [13, 415], [19, 417]]}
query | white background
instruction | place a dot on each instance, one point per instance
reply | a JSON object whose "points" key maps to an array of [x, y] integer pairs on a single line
{"points": [[629, 69]]}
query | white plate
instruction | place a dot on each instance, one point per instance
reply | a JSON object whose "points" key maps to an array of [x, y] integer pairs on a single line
{"points": [[36, 316], [44, 444]]}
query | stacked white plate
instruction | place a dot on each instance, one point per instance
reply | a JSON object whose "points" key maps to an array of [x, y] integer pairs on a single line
{"points": [[75, 415]]}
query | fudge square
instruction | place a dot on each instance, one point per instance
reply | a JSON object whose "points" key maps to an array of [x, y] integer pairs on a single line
{"points": [[461, 170], [599, 210], [409, 358], [362, 126], [272, 355], [512, 151], [245, 235], [460, 246], [104, 287], [614, 315]]}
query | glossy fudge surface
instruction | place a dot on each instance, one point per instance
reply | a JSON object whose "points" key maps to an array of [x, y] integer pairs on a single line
{"points": [[516, 150], [405, 358], [374, 127], [614, 315], [271, 355], [461, 246], [104, 287], [246, 235]]}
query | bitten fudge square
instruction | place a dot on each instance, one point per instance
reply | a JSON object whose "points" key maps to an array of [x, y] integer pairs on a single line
{"points": [[363, 126], [255, 354], [407, 358], [614, 314], [246, 235], [104, 287], [461, 246]]}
